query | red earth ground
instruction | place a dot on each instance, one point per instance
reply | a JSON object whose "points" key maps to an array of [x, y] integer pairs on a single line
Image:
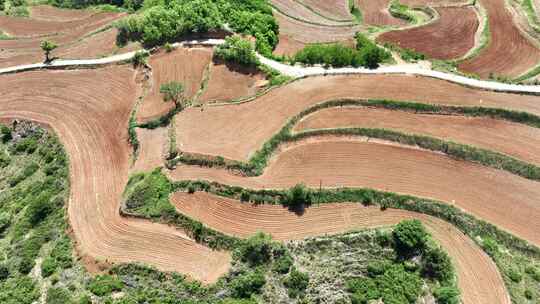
{"points": [[450, 36], [89, 110]]}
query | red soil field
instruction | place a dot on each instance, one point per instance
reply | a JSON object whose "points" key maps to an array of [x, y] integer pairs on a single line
{"points": [[288, 46], [450, 36], [51, 13], [73, 42], [375, 12], [298, 11], [509, 53], [434, 3], [89, 110], [236, 131], [516, 140], [335, 9], [501, 198], [20, 27], [231, 82], [239, 219], [153, 148], [184, 65], [310, 33]]}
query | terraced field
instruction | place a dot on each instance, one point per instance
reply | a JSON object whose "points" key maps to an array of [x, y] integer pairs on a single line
{"points": [[455, 29], [242, 219], [76, 33]]}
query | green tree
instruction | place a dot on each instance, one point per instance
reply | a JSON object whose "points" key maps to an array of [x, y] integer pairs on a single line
{"points": [[47, 47], [173, 91], [410, 236]]}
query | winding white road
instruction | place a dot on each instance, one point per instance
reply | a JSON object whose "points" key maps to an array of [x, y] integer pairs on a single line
{"points": [[300, 71]]}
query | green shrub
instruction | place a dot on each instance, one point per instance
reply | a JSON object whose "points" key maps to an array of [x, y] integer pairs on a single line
{"points": [[283, 264], [103, 285], [245, 196], [19, 290], [437, 264], [5, 133], [296, 283], [148, 195], [256, 250], [298, 196], [48, 267], [247, 284], [528, 294], [410, 236], [447, 295], [27, 172], [490, 246], [28, 145], [4, 272], [40, 208], [25, 265], [85, 299], [139, 58], [58, 296], [5, 220], [395, 285], [168, 47], [235, 49], [366, 54], [514, 275]]}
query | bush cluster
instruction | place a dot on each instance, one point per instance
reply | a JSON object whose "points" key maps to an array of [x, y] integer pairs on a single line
{"points": [[235, 49], [105, 284], [162, 23], [366, 54]]}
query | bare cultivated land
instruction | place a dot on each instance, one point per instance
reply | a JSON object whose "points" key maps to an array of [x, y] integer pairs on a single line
{"points": [[75, 38], [183, 65], [335, 9], [288, 45], [295, 10], [28, 27], [51, 13], [513, 139], [375, 12], [450, 36], [236, 131], [312, 33], [501, 198], [244, 219], [89, 110], [231, 82], [153, 147], [509, 52]]}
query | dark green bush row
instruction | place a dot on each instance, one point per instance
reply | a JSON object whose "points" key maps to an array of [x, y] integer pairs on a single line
{"points": [[128, 4], [366, 54], [163, 120], [468, 224], [258, 162], [401, 11], [408, 55]]}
